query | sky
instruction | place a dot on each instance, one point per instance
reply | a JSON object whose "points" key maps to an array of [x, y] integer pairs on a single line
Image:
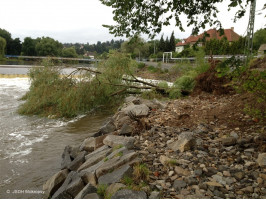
{"points": [[81, 21]]}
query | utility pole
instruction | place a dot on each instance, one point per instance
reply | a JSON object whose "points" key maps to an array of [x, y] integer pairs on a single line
{"points": [[250, 31]]}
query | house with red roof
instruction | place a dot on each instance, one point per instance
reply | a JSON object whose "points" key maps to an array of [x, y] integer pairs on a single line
{"points": [[230, 34]]}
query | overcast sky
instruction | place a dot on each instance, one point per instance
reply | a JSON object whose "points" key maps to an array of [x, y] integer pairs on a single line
{"points": [[81, 20]]}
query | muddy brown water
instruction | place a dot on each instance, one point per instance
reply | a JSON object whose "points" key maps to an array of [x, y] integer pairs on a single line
{"points": [[30, 146]]}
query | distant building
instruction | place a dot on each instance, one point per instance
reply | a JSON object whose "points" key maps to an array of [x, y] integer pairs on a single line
{"points": [[230, 34], [262, 50]]}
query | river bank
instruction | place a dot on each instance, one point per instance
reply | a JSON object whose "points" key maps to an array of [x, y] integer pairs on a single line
{"points": [[200, 147], [31, 146]]}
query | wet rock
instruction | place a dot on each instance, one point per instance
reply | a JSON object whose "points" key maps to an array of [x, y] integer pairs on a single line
{"points": [[113, 188], [262, 160], [55, 182], [77, 162], [179, 184], [114, 141], [88, 144], [186, 141], [88, 189], [182, 172], [109, 127], [66, 159], [126, 130], [116, 175], [129, 194], [229, 141], [137, 110]]}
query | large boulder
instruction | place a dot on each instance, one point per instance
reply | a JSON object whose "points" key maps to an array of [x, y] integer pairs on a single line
{"points": [[186, 141], [88, 189], [55, 182], [88, 144], [262, 159], [129, 194], [114, 163], [109, 127], [126, 129], [114, 141], [77, 162], [70, 188], [115, 176], [95, 157], [137, 110]]}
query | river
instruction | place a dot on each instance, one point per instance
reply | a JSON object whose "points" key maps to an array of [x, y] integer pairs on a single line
{"points": [[30, 146]]}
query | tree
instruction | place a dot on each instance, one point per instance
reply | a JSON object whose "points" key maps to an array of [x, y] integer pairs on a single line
{"points": [[28, 47], [162, 44], [136, 46], [48, 47], [149, 16], [15, 47], [69, 52], [172, 42], [259, 38], [167, 45], [2, 47], [7, 36]]}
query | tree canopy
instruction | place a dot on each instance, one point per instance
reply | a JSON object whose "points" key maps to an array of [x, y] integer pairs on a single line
{"points": [[259, 38], [48, 47], [2, 46], [148, 17]]}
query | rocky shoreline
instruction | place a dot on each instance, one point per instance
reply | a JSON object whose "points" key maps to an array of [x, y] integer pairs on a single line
{"points": [[142, 152]]}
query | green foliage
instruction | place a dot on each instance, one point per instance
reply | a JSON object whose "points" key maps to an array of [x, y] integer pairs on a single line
{"points": [[52, 94], [147, 17], [136, 46], [185, 83], [259, 38], [141, 65], [255, 82], [2, 47], [128, 181], [223, 47], [101, 190], [28, 47], [105, 159], [69, 52], [163, 85], [152, 94], [48, 47]]}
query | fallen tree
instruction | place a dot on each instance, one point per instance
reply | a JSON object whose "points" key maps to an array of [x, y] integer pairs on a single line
{"points": [[85, 89]]}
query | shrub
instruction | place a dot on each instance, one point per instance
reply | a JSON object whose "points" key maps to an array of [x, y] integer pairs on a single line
{"points": [[185, 83]]}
